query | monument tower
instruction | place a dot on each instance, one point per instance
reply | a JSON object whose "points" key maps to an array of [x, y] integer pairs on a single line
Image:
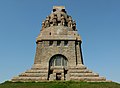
{"points": [[58, 52]]}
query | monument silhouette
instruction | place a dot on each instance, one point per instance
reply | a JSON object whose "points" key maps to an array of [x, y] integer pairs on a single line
{"points": [[58, 52]]}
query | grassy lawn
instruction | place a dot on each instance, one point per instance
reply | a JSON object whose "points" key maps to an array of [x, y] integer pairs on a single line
{"points": [[57, 84]]}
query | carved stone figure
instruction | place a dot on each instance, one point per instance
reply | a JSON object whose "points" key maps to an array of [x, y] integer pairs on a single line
{"points": [[62, 20], [58, 16], [43, 25], [74, 25], [48, 18], [70, 22], [54, 20], [47, 23]]}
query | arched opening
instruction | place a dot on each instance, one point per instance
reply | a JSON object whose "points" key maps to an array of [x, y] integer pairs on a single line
{"points": [[58, 60], [58, 67]]}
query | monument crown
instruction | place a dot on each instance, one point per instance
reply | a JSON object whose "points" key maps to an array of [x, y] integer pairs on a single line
{"points": [[59, 17]]}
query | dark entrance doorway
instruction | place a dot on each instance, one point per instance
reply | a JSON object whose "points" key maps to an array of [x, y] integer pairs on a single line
{"points": [[58, 76]]}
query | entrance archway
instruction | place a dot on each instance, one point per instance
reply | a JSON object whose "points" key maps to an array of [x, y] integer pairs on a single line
{"points": [[58, 60], [58, 67]]}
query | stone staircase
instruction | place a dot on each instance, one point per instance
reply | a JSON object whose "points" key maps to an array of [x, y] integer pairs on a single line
{"points": [[76, 73], [32, 75], [81, 73]]}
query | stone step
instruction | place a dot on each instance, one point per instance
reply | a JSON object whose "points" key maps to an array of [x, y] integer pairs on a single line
{"points": [[83, 75], [36, 71], [80, 71], [39, 68], [76, 68], [28, 79], [89, 79], [33, 75]]}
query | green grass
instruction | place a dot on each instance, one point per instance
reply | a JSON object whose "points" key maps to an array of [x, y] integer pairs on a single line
{"points": [[57, 84]]}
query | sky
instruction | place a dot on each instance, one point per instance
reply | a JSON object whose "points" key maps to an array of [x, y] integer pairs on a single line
{"points": [[98, 23]]}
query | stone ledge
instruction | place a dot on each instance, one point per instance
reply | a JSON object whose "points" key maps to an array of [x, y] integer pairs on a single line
{"points": [[33, 75], [89, 79], [36, 71], [83, 75], [29, 79], [80, 71]]}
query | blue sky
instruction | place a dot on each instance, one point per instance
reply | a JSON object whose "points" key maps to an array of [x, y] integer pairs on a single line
{"points": [[98, 23]]}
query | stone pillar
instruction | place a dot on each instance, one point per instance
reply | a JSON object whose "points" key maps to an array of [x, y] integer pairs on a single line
{"points": [[38, 53], [67, 76], [54, 76], [51, 77], [62, 76], [78, 51]]}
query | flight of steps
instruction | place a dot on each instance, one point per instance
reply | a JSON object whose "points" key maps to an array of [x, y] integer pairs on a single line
{"points": [[76, 73], [81, 73], [32, 75]]}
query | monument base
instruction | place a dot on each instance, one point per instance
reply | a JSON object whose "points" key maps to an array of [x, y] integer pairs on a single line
{"points": [[77, 73]]}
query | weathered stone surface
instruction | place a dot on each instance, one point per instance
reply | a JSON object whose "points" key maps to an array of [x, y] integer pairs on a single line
{"points": [[58, 52]]}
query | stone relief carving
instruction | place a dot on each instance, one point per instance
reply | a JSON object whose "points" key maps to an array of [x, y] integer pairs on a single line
{"points": [[47, 23], [43, 24], [54, 20], [74, 25], [70, 21], [61, 19]]}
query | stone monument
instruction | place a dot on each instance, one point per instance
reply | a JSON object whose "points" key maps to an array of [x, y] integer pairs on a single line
{"points": [[58, 52]]}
